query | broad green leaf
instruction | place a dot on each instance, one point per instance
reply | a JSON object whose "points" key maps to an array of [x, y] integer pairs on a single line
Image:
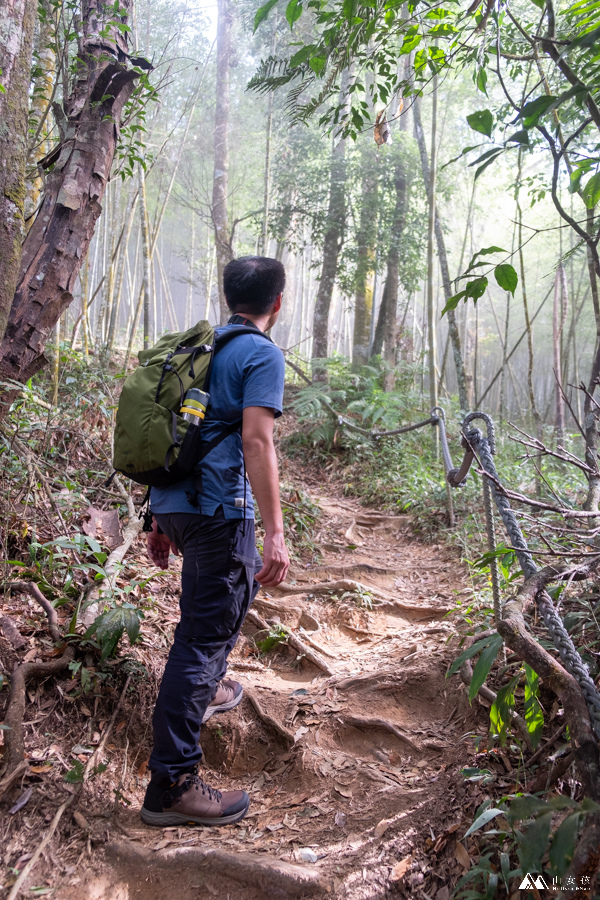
{"points": [[483, 819], [293, 11], [488, 162], [519, 137], [453, 302], [263, 11], [501, 709], [481, 121], [535, 843], [506, 277], [585, 40], [591, 191], [477, 288], [484, 664], [302, 55], [410, 42], [534, 716], [469, 653], [563, 844], [481, 80], [349, 9], [535, 109], [317, 64], [525, 807]]}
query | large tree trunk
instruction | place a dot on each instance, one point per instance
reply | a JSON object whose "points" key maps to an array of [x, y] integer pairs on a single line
{"points": [[221, 151], [17, 21], [58, 240], [443, 258]]}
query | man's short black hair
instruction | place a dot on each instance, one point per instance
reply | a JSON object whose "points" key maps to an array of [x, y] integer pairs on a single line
{"points": [[251, 284]]}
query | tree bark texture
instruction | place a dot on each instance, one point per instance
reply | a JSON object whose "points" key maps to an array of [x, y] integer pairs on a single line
{"points": [[221, 151], [332, 244], [58, 240], [365, 240], [443, 258], [17, 21]]}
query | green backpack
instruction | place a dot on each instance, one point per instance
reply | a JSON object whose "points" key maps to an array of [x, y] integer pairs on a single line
{"points": [[153, 444]]}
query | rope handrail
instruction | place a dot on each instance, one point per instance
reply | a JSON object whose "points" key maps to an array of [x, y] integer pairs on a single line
{"points": [[482, 448]]}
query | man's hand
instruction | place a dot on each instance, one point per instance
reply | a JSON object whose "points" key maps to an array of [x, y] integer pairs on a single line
{"points": [[159, 547], [276, 561]]}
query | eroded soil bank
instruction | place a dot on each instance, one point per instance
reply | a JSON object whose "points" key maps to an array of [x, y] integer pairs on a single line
{"points": [[353, 763]]}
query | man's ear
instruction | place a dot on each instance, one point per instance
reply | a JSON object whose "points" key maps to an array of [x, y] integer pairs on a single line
{"points": [[277, 304]]}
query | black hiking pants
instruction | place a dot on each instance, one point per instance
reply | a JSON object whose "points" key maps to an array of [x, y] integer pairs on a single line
{"points": [[217, 587]]}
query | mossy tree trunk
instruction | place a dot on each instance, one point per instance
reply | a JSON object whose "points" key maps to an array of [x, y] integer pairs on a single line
{"points": [[17, 23]]}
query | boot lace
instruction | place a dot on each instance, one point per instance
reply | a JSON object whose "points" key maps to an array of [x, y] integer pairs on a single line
{"points": [[194, 781]]}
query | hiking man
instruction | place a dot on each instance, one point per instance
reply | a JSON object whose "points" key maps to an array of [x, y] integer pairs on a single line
{"points": [[212, 525]]}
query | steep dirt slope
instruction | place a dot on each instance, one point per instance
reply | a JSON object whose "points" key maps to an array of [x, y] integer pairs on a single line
{"points": [[353, 764]]}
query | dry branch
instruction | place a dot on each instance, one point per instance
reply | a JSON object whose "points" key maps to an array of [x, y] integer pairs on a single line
{"points": [[14, 739], [29, 587]]}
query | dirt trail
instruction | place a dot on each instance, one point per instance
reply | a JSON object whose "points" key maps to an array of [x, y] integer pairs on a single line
{"points": [[354, 777]]}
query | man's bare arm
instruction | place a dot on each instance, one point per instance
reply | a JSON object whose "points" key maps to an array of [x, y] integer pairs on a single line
{"points": [[261, 465]]}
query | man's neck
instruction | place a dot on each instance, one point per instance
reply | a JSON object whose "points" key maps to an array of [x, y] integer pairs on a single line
{"points": [[260, 322]]}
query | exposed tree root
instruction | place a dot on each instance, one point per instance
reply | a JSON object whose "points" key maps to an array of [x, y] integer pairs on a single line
{"points": [[268, 720], [545, 780], [29, 587], [12, 633], [363, 681], [14, 739], [294, 642], [259, 871], [368, 722]]}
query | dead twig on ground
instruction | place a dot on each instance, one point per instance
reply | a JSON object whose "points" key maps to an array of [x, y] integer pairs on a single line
{"points": [[14, 738], [29, 587]]}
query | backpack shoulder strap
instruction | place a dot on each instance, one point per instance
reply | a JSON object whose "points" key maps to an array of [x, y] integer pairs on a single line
{"points": [[223, 338]]}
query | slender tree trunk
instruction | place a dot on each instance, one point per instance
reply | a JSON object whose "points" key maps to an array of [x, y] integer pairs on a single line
{"points": [[332, 244], [392, 284], [590, 413], [146, 259], [190, 288], [17, 22], [431, 317], [441, 247], [365, 240], [264, 240], [221, 150], [58, 241], [121, 260], [558, 323]]}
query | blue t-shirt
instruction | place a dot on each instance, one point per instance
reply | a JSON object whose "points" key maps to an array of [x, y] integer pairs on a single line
{"points": [[248, 371]]}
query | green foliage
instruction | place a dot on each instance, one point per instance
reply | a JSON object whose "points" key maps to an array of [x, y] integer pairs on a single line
{"points": [[277, 635], [529, 835], [481, 121], [110, 626]]}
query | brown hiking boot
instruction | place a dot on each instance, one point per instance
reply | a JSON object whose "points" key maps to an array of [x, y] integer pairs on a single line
{"points": [[229, 694], [190, 801]]}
